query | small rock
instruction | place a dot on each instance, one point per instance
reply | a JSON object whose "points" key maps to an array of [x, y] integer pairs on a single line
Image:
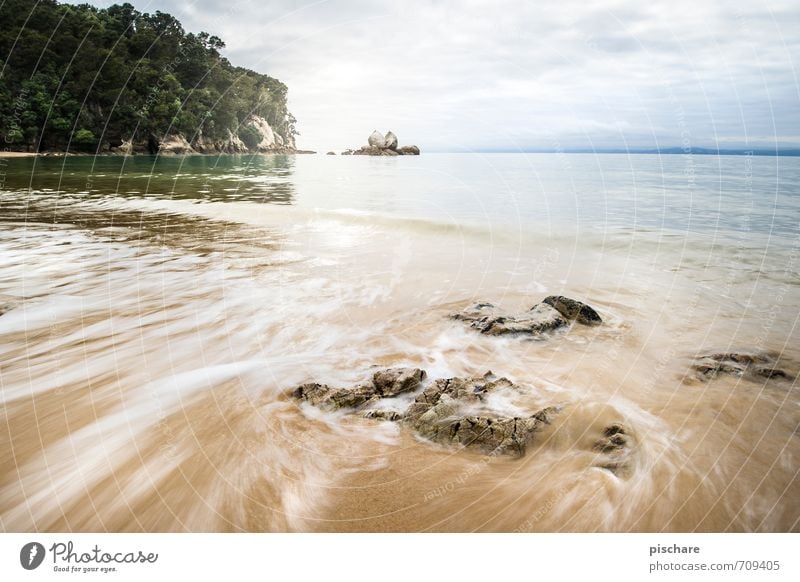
{"points": [[409, 150], [753, 366], [573, 310], [616, 448], [394, 381], [325, 396], [331, 154], [490, 320], [387, 415]]}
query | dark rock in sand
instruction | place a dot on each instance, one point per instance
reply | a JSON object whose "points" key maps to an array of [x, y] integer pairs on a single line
{"points": [[754, 366], [573, 310]]}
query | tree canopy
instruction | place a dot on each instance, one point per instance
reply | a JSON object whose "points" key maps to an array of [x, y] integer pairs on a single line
{"points": [[81, 77]]}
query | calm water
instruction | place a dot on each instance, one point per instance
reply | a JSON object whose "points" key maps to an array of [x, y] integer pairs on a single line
{"points": [[156, 311]]}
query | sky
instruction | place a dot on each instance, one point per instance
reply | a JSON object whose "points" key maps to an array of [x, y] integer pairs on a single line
{"points": [[483, 75]]}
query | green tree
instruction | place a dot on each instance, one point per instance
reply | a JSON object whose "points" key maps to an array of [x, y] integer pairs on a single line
{"points": [[119, 73]]}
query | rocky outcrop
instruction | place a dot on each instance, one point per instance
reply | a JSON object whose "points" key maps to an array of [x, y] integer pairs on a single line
{"points": [[233, 144], [385, 384], [552, 313], [394, 381], [374, 151], [491, 320], [268, 141], [383, 145], [125, 148], [409, 150], [754, 365], [449, 411], [458, 412], [175, 144]]}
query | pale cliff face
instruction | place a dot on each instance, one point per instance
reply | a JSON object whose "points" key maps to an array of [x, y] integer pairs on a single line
{"points": [[268, 136], [269, 141]]}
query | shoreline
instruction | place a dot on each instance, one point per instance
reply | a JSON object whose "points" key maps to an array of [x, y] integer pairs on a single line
{"points": [[12, 154]]}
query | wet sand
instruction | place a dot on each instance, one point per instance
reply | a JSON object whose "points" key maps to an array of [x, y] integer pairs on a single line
{"points": [[148, 350]]}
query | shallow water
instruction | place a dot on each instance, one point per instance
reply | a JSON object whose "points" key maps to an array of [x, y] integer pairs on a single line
{"points": [[159, 311]]}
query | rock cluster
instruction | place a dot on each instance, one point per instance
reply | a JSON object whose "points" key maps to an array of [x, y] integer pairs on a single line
{"points": [[448, 411], [552, 313], [456, 412], [383, 145], [452, 411], [749, 365]]}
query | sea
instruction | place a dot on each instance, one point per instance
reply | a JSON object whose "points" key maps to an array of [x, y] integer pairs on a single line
{"points": [[158, 312]]}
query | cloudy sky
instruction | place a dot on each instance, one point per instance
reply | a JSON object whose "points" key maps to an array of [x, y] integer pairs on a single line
{"points": [[495, 74]]}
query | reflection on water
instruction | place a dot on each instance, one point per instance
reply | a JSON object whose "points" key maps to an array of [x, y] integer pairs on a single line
{"points": [[255, 178], [547, 194], [148, 345]]}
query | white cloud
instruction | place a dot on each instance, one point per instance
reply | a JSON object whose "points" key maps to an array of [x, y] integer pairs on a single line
{"points": [[489, 74]]}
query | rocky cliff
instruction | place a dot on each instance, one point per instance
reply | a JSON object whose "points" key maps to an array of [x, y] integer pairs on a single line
{"points": [[255, 135]]}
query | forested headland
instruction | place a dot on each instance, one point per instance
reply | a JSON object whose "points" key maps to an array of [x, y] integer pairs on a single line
{"points": [[116, 80]]}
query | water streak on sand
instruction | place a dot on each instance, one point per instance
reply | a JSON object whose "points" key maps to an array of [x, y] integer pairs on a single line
{"points": [[148, 347]]}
